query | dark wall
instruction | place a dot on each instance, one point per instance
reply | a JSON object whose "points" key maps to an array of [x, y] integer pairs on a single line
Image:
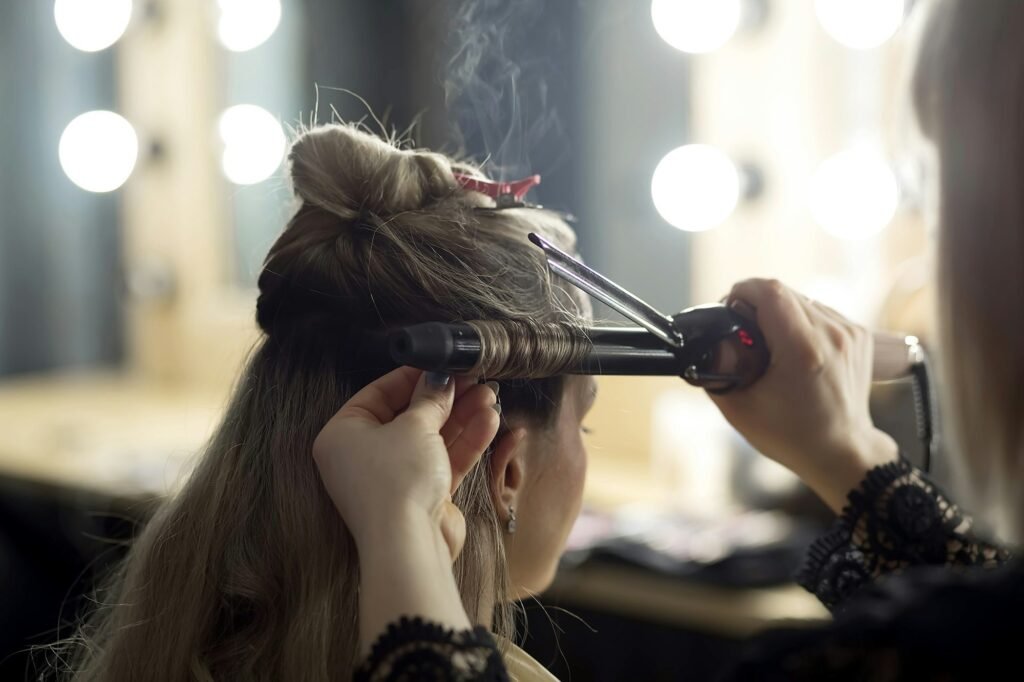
{"points": [[59, 245]]}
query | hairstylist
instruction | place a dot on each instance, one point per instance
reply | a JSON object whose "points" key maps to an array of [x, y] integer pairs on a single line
{"points": [[936, 620]]}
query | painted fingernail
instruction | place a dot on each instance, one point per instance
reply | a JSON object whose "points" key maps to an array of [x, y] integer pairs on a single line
{"points": [[494, 386], [497, 407], [438, 380]]}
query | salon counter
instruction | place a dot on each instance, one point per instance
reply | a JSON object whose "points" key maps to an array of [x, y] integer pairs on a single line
{"points": [[642, 595], [617, 623], [105, 433]]}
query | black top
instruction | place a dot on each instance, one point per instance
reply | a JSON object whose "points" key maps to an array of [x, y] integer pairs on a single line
{"points": [[900, 570]]}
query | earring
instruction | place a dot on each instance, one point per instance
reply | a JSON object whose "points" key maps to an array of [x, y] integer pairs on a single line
{"points": [[511, 520]]}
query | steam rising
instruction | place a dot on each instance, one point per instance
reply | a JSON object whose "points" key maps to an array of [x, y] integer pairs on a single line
{"points": [[496, 86]]}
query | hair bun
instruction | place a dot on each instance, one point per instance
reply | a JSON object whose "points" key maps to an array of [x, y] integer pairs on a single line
{"points": [[347, 171]]}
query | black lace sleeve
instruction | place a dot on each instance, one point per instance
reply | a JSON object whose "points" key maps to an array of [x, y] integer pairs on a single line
{"points": [[895, 520], [413, 649]]}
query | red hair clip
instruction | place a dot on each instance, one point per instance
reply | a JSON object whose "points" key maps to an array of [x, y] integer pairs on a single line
{"points": [[505, 194]]}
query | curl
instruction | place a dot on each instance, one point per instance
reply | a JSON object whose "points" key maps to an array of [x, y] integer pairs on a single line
{"points": [[524, 349]]}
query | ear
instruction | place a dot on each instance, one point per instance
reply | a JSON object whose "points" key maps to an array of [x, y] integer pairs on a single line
{"points": [[508, 468]]}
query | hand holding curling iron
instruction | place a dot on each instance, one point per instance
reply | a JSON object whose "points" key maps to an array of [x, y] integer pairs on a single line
{"points": [[809, 411], [805, 372]]}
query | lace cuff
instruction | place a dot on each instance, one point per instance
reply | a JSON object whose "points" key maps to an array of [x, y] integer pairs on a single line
{"points": [[895, 520], [414, 649]]}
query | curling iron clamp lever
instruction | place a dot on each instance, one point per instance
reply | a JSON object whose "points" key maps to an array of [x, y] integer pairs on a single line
{"points": [[608, 292], [717, 348]]}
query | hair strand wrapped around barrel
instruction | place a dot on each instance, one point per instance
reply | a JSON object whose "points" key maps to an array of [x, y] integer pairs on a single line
{"points": [[524, 349]]}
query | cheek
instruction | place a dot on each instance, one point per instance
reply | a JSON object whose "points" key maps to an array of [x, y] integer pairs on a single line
{"points": [[552, 509], [577, 467], [559, 491], [571, 476]]}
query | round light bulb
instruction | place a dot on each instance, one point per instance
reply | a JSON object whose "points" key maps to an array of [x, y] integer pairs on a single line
{"points": [[854, 194], [860, 24], [696, 26], [98, 151], [254, 144], [92, 25], [245, 24], [695, 187]]}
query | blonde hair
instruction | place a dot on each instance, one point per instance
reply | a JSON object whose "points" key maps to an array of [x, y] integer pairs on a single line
{"points": [[249, 572], [968, 90], [528, 349]]}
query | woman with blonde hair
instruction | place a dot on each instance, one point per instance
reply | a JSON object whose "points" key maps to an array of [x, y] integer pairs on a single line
{"points": [[916, 595], [249, 572]]}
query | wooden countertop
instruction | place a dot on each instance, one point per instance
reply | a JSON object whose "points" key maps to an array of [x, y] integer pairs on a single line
{"points": [[643, 595], [104, 432]]}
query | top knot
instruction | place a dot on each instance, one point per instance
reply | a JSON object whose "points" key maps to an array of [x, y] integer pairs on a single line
{"points": [[348, 172]]}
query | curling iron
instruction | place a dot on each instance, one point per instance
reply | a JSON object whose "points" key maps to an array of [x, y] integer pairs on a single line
{"points": [[710, 346]]}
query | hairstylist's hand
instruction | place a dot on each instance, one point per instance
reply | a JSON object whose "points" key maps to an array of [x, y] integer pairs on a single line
{"points": [[390, 473], [809, 412], [384, 460]]}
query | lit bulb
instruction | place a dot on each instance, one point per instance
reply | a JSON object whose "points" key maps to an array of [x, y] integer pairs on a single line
{"points": [[860, 24], [696, 26], [695, 187], [854, 194], [254, 144], [98, 151], [245, 24], [92, 25]]}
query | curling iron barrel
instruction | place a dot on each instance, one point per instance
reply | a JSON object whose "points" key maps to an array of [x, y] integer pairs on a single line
{"points": [[714, 348], [720, 350], [436, 346]]}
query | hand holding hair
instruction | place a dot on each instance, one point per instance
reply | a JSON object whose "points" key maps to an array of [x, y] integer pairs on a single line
{"points": [[390, 460], [809, 411]]}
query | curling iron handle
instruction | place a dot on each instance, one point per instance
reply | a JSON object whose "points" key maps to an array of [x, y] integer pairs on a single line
{"points": [[894, 355], [747, 353]]}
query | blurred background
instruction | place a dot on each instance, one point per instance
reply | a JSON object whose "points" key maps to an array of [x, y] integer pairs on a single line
{"points": [[697, 142]]}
